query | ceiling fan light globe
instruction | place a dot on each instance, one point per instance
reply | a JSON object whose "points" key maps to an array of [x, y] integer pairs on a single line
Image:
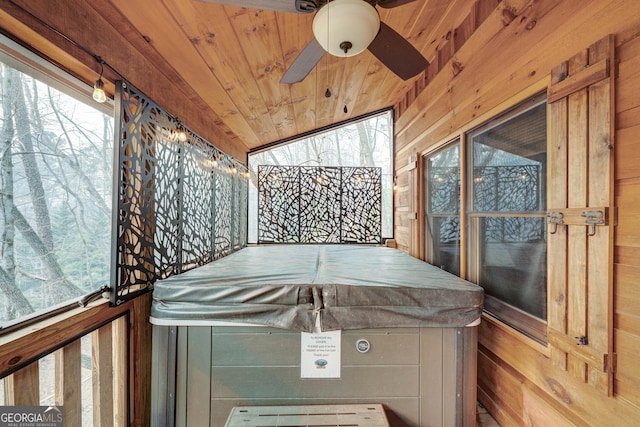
{"points": [[339, 21]]}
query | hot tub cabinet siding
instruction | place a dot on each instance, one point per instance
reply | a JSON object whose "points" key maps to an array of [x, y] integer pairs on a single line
{"points": [[423, 376], [229, 334]]}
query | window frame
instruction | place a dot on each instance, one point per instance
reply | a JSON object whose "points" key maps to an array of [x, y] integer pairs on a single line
{"points": [[526, 323], [388, 175], [31, 64], [523, 322]]}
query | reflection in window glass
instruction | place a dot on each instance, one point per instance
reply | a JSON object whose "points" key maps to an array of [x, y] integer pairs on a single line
{"points": [[442, 225], [508, 227], [55, 196], [513, 263]]}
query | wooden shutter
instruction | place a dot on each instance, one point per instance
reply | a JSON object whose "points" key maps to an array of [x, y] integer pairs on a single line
{"points": [[581, 215]]}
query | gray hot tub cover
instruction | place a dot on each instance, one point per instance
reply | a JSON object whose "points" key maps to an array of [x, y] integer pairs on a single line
{"points": [[287, 286]]}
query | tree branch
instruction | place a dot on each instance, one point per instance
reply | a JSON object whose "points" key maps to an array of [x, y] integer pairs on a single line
{"points": [[56, 275]]}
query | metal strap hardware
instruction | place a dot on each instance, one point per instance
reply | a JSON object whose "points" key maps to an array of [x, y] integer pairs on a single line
{"points": [[582, 340], [555, 218], [592, 218]]}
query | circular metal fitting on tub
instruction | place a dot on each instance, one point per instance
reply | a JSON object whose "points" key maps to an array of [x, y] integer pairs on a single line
{"points": [[363, 345]]}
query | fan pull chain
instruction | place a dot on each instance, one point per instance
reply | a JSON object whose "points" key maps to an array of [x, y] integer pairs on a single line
{"points": [[327, 93], [344, 65]]}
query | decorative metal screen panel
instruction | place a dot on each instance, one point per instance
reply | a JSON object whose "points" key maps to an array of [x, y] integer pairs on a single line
{"points": [[302, 204], [180, 201]]}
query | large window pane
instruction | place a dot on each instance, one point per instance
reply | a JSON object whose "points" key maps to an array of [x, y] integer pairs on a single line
{"points": [[442, 225], [367, 142], [55, 195], [512, 262], [507, 218]]}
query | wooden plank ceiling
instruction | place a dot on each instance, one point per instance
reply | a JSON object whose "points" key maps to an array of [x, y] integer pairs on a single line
{"points": [[233, 59]]}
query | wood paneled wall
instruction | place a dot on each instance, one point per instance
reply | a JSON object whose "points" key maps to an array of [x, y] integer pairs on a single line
{"points": [[504, 62]]}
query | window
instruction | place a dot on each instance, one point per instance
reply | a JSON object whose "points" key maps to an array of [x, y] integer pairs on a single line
{"points": [[442, 225], [55, 188], [366, 142], [507, 215], [503, 191], [542, 250]]}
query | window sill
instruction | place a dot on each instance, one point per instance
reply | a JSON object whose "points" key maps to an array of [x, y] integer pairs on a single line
{"points": [[515, 334]]}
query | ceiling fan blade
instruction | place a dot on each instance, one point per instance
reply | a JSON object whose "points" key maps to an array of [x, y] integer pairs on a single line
{"points": [[388, 4], [294, 6], [304, 63], [397, 54]]}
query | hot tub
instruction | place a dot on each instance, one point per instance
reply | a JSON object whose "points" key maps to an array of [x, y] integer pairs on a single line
{"points": [[236, 332]]}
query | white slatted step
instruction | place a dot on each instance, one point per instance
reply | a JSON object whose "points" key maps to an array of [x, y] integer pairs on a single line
{"points": [[308, 416]]}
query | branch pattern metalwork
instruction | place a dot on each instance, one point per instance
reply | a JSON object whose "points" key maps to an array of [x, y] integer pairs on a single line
{"points": [[181, 202], [303, 204]]}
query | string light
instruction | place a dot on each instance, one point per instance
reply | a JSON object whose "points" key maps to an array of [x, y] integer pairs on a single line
{"points": [[181, 134], [98, 86]]}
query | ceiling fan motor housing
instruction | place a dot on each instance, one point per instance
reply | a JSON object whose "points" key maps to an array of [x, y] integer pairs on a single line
{"points": [[341, 23]]}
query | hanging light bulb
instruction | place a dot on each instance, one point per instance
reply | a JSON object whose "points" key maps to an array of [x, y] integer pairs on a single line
{"points": [[179, 132], [98, 92], [98, 86], [182, 134]]}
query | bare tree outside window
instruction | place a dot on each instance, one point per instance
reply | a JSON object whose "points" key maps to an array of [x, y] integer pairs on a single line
{"points": [[55, 196]]}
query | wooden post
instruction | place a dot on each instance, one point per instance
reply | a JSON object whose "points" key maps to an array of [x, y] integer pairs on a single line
{"points": [[68, 391], [120, 370], [101, 357], [23, 387]]}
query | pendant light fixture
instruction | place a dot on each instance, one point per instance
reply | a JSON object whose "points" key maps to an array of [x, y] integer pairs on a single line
{"points": [[354, 25]]}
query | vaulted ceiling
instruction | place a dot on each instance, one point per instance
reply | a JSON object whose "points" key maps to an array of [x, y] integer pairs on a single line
{"points": [[234, 58], [228, 60]]}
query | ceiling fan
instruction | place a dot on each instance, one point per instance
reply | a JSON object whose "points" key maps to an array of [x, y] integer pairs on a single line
{"points": [[345, 28]]}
